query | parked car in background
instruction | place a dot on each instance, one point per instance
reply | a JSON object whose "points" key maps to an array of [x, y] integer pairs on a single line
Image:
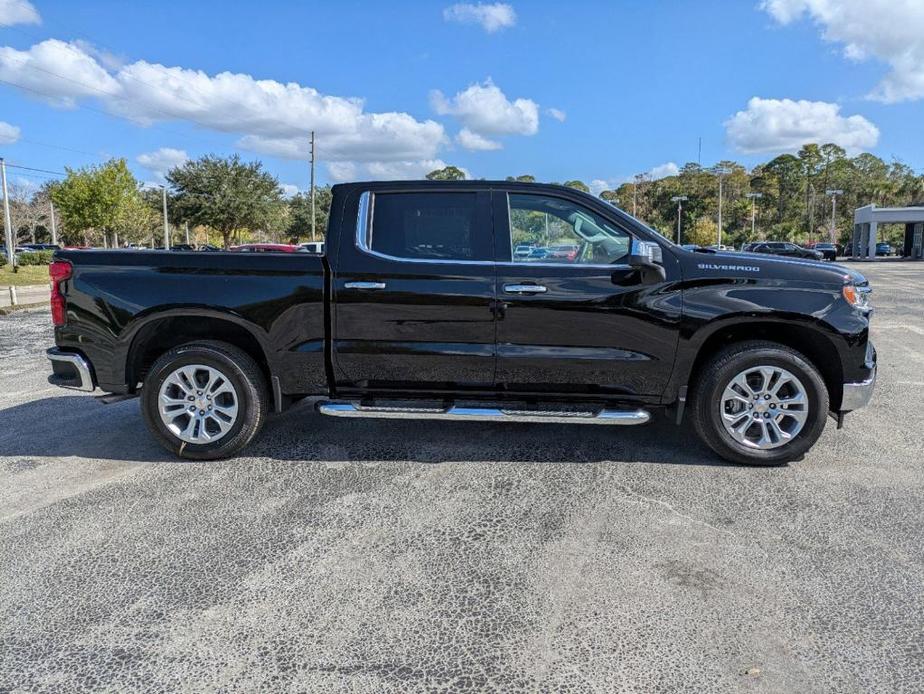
{"points": [[267, 248], [790, 250], [182, 247], [829, 251], [313, 246], [884, 249], [522, 251], [563, 252], [538, 254], [208, 247], [27, 247]]}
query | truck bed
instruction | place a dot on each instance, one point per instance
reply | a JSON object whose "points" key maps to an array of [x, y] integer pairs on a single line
{"points": [[115, 296]]}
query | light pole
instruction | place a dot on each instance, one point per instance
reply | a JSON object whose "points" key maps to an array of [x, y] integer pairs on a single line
{"points": [[721, 171], [754, 198], [10, 237], [833, 193], [679, 199]]}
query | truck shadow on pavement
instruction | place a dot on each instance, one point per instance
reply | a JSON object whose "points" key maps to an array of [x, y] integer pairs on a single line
{"points": [[82, 427]]}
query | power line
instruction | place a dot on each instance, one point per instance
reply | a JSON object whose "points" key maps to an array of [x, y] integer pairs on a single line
{"points": [[30, 168]]}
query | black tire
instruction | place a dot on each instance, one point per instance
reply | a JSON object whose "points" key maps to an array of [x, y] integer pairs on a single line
{"points": [[722, 368], [242, 372]]}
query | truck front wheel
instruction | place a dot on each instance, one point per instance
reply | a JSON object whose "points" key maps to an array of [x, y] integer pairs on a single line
{"points": [[759, 403], [204, 400]]}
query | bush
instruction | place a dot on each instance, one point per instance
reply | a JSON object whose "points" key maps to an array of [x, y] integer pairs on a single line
{"points": [[2, 259], [35, 258]]}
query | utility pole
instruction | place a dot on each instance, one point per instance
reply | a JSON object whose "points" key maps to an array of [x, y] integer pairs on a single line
{"points": [[679, 200], [166, 223], [54, 226], [720, 171], [754, 197], [7, 221], [834, 193], [187, 233], [312, 186]]}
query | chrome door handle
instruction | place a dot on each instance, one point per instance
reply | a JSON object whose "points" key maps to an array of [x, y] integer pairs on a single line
{"points": [[525, 289], [365, 285]]}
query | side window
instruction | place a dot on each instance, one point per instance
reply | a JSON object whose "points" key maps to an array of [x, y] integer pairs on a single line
{"points": [[429, 226], [553, 230]]}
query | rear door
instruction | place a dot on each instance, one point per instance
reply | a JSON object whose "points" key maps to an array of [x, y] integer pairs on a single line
{"points": [[414, 290], [577, 323]]}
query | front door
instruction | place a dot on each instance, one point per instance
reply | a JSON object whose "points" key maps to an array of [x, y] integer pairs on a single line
{"points": [[574, 317], [414, 298]]}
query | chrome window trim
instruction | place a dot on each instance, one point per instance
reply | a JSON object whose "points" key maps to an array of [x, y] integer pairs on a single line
{"points": [[363, 240]]}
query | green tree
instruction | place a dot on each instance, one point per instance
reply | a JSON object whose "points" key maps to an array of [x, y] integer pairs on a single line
{"points": [[300, 214], [96, 198], [578, 185], [227, 195], [448, 173]]}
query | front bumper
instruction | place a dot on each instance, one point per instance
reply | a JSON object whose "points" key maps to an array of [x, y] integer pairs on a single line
{"points": [[70, 370], [857, 395]]}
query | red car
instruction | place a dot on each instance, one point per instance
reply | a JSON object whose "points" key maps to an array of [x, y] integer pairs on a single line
{"points": [[267, 248], [566, 252]]}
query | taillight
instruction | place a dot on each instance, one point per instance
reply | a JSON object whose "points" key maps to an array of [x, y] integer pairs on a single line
{"points": [[59, 271]]}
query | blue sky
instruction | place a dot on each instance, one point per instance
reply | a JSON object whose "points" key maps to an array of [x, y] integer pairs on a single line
{"points": [[590, 90]]}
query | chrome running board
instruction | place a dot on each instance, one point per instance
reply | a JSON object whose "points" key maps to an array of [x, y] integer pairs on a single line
{"points": [[485, 414]]}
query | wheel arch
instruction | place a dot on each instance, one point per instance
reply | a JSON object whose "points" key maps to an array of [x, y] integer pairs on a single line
{"points": [[162, 332], [805, 338]]}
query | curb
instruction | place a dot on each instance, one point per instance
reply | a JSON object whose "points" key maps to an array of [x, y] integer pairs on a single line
{"points": [[7, 310]]}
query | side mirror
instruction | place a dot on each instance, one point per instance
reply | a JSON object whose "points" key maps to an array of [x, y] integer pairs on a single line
{"points": [[647, 257]]}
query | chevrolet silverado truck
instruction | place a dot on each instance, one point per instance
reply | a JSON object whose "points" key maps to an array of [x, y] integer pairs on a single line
{"points": [[420, 308]]}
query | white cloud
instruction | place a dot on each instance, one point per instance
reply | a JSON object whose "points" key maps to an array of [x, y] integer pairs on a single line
{"points": [[557, 114], [8, 133], [889, 30], [289, 190], [270, 117], [784, 125], [474, 141], [162, 160], [492, 17], [61, 72], [384, 171], [484, 111], [598, 185], [664, 170], [18, 12]]}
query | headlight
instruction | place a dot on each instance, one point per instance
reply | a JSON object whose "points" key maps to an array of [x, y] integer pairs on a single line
{"points": [[857, 297]]}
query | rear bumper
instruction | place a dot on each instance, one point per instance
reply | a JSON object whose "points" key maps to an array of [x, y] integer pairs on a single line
{"points": [[70, 370], [857, 395]]}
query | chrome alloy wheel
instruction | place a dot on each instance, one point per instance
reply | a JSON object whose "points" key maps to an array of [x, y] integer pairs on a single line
{"points": [[198, 404], [764, 407]]}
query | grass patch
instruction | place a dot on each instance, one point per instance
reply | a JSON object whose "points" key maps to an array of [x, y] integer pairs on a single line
{"points": [[29, 274]]}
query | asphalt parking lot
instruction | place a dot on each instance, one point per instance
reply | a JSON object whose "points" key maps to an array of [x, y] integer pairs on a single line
{"points": [[360, 555]]}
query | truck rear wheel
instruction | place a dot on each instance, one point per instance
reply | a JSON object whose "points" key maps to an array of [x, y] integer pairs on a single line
{"points": [[759, 403], [204, 400]]}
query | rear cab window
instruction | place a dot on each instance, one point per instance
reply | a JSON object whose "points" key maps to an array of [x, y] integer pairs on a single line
{"points": [[430, 226]]}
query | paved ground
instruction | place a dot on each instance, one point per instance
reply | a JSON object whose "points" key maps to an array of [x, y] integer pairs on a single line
{"points": [[28, 294], [369, 556]]}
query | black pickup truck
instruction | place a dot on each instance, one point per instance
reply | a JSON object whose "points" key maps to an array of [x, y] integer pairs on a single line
{"points": [[420, 309]]}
